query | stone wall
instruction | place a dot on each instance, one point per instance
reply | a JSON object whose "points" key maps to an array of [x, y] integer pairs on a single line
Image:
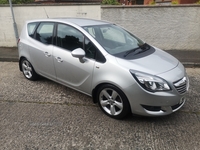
{"points": [[167, 27]]}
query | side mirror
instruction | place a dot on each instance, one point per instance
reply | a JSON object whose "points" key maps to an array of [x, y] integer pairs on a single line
{"points": [[79, 53]]}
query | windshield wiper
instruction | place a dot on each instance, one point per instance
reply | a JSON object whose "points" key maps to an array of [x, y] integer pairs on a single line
{"points": [[142, 48], [131, 51]]}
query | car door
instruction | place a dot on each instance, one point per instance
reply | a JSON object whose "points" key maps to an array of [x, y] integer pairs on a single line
{"points": [[69, 70], [41, 50]]}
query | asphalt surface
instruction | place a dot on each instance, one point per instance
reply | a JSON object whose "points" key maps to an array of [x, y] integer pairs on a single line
{"points": [[44, 115], [189, 58]]}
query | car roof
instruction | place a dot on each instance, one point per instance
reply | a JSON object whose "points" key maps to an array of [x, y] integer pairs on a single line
{"points": [[78, 21]]}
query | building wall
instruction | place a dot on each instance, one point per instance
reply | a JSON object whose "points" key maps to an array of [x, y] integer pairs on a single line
{"points": [[186, 1], [28, 12], [163, 2], [166, 27]]}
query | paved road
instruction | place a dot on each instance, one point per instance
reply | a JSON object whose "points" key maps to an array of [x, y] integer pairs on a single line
{"points": [[44, 115]]}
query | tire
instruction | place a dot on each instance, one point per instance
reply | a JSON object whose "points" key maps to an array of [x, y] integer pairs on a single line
{"points": [[113, 101], [28, 70]]}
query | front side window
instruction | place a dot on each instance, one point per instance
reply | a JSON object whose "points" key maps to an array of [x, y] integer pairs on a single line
{"points": [[69, 38], [44, 32], [90, 49]]}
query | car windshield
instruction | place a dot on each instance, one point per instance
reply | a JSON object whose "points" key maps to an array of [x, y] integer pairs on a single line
{"points": [[114, 39]]}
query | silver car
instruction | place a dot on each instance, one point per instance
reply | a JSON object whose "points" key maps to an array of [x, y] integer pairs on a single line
{"points": [[122, 73]]}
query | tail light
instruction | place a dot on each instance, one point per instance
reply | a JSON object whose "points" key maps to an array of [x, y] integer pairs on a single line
{"points": [[18, 41]]}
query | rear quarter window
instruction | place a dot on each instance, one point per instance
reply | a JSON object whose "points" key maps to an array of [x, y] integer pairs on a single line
{"points": [[31, 28]]}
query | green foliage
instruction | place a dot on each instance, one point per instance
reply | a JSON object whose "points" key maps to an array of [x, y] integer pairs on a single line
{"points": [[110, 2], [3, 1], [152, 2], [16, 1], [175, 2], [198, 2]]}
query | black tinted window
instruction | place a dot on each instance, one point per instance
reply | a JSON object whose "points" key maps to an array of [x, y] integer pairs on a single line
{"points": [[45, 32], [69, 38], [90, 49]]}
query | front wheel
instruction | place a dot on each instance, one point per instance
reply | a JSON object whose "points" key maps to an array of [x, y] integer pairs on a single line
{"points": [[113, 101], [28, 70]]}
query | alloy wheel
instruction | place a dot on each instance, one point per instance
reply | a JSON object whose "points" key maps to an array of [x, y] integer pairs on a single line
{"points": [[111, 101], [27, 69]]}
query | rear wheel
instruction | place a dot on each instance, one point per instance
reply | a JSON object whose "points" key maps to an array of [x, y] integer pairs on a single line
{"points": [[28, 70], [113, 101]]}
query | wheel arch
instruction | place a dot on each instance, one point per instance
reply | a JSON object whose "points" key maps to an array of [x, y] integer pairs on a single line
{"points": [[94, 91], [21, 58], [124, 100]]}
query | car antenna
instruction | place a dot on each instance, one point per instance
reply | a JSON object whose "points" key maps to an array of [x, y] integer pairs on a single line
{"points": [[46, 13]]}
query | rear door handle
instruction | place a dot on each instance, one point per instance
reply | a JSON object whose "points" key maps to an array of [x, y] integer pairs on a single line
{"points": [[47, 54], [59, 59]]}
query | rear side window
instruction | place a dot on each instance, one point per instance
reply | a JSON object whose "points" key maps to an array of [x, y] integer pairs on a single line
{"points": [[44, 32], [31, 28]]}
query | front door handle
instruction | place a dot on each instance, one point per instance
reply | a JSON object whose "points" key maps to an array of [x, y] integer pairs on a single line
{"points": [[59, 59], [47, 54]]}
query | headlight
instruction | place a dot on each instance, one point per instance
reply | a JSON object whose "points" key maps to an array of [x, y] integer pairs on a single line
{"points": [[150, 82]]}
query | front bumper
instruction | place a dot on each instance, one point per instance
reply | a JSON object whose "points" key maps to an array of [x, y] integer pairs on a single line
{"points": [[163, 110], [159, 104], [162, 103]]}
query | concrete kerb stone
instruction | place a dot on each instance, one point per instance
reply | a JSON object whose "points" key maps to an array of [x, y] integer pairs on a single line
{"points": [[190, 59], [8, 59], [191, 65]]}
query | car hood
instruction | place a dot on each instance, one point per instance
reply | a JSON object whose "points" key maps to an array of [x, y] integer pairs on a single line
{"points": [[155, 63]]}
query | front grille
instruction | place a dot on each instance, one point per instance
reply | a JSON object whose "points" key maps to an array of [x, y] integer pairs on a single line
{"points": [[152, 108], [181, 85]]}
